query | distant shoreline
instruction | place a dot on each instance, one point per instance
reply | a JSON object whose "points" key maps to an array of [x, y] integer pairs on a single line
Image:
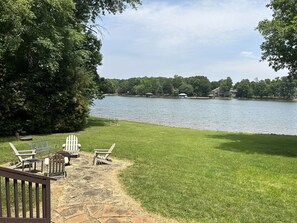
{"points": [[205, 98]]}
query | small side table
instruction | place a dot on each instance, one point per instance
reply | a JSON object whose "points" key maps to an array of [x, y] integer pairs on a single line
{"points": [[32, 161]]}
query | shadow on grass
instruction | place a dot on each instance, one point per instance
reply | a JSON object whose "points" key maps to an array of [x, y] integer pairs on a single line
{"points": [[94, 121], [259, 144]]}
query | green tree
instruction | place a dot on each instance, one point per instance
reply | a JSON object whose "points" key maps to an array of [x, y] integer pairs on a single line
{"points": [[31, 68], [139, 89], [48, 62], [280, 45], [287, 88], [168, 86], [225, 86], [186, 88], [107, 86], [131, 83], [201, 85], [177, 81], [243, 89], [156, 84], [260, 89], [214, 85], [274, 87]]}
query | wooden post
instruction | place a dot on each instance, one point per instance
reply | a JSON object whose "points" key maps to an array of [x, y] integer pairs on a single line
{"points": [[17, 135]]}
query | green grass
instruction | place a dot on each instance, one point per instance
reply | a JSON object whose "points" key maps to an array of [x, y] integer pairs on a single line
{"points": [[199, 176]]}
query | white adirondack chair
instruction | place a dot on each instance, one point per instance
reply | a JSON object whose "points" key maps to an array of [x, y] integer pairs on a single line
{"points": [[72, 146], [22, 155], [101, 155]]}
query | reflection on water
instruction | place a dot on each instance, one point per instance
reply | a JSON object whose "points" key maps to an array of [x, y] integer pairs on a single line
{"points": [[227, 115]]}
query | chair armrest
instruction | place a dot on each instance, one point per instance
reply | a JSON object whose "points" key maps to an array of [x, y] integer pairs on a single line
{"points": [[98, 152], [26, 152], [79, 145], [29, 150], [63, 146]]}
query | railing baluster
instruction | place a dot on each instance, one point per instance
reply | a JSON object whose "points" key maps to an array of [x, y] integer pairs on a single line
{"points": [[37, 200], [8, 210], [24, 198], [48, 195], [16, 198], [30, 200], [43, 201], [1, 196]]}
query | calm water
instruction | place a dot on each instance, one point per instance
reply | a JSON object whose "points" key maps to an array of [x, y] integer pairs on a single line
{"points": [[227, 115]]}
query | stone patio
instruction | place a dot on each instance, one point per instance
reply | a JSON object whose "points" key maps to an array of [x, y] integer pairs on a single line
{"points": [[93, 194]]}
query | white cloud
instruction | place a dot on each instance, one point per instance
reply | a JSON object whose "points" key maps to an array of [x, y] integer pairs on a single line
{"points": [[215, 38], [249, 55], [167, 25]]}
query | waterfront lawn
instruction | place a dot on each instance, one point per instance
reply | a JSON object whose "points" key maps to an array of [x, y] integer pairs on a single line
{"points": [[199, 176]]}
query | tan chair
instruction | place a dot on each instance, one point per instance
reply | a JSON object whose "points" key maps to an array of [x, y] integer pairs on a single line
{"points": [[22, 155], [101, 155], [72, 146]]}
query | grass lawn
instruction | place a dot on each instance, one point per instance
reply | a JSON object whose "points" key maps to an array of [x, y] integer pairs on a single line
{"points": [[192, 175]]}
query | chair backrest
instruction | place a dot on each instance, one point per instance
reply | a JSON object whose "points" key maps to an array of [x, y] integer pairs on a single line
{"points": [[56, 166], [39, 145], [109, 151], [71, 144], [13, 148], [15, 151]]}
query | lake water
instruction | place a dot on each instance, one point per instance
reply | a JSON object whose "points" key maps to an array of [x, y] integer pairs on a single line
{"points": [[211, 114]]}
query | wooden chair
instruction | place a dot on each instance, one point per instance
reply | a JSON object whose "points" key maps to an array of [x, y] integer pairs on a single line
{"points": [[22, 155], [101, 155], [72, 146], [56, 166]]}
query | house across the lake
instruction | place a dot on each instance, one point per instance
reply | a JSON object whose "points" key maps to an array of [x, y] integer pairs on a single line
{"points": [[182, 95], [149, 95], [217, 93]]}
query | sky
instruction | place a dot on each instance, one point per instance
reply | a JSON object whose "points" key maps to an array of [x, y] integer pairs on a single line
{"points": [[213, 38]]}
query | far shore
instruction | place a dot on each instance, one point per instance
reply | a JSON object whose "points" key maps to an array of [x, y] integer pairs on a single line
{"points": [[195, 97]]}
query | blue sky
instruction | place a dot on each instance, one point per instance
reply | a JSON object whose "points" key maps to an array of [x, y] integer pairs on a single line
{"points": [[213, 38]]}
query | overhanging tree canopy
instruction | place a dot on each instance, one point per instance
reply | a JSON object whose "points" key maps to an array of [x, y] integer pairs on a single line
{"points": [[280, 34], [48, 62]]}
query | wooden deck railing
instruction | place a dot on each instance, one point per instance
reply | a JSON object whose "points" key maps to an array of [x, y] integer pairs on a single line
{"points": [[24, 197]]}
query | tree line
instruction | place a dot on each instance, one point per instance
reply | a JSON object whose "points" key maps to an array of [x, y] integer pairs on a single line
{"points": [[201, 86]]}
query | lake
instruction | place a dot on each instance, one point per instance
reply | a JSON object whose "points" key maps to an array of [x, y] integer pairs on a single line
{"points": [[271, 117]]}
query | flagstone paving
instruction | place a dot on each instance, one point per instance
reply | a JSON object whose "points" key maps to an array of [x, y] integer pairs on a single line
{"points": [[93, 194]]}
